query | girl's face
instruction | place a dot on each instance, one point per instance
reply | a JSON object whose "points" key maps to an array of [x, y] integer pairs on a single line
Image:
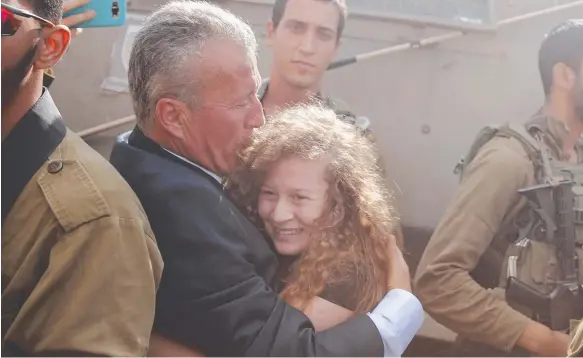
{"points": [[292, 198]]}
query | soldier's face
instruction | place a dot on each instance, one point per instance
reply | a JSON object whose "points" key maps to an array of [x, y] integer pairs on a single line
{"points": [[305, 41]]}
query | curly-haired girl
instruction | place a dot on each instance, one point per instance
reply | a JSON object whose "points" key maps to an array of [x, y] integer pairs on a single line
{"points": [[312, 183]]}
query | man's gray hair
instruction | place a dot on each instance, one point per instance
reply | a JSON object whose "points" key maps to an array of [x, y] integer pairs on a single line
{"points": [[169, 39]]}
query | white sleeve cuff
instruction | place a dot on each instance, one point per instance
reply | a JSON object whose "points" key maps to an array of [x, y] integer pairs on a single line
{"points": [[398, 317]]}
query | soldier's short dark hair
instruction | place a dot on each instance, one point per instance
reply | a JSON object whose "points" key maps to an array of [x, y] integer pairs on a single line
{"points": [[279, 9], [51, 10], [563, 44]]}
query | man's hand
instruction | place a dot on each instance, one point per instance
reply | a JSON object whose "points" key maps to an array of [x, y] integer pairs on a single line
{"points": [[76, 19], [399, 276], [544, 342]]}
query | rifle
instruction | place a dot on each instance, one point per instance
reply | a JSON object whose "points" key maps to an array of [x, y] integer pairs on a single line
{"points": [[555, 224]]}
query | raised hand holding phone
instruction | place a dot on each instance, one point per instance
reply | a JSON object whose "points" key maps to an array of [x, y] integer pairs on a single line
{"points": [[94, 13], [71, 20]]}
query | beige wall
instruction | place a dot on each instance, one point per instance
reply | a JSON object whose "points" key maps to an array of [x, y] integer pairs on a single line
{"points": [[450, 90]]}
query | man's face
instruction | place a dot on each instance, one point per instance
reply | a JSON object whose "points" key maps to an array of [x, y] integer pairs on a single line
{"points": [[305, 41], [18, 52], [221, 123]]}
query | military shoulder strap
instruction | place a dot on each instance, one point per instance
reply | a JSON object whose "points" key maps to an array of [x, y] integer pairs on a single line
{"points": [[531, 145]]}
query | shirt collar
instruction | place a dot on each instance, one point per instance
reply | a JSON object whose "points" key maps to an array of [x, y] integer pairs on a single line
{"points": [[27, 147], [216, 177], [36, 125]]}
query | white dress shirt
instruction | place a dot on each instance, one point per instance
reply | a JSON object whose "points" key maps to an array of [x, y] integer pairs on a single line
{"points": [[213, 175]]}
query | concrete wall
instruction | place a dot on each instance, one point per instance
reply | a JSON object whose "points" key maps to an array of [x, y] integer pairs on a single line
{"points": [[425, 105]]}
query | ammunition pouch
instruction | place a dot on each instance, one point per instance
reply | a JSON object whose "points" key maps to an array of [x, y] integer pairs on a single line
{"points": [[533, 263], [544, 268], [532, 279]]}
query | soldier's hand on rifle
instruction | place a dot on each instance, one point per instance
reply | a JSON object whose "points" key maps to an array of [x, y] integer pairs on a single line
{"points": [[76, 19], [399, 271]]}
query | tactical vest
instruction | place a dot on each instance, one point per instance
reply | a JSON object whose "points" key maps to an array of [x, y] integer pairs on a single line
{"points": [[535, 259]]}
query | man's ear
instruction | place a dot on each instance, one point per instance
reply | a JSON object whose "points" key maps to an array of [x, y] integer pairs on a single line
{"points": [[563, 77], [54, 45], [270, 32], [170, 116]]}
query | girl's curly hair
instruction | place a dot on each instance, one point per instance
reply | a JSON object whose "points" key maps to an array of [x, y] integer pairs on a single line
{"points": [[359, 217]]}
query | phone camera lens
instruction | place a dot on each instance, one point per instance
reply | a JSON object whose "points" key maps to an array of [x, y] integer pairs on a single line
{"points": [[115, 9]]}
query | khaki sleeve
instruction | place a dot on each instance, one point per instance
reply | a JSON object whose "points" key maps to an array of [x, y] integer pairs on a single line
{"points": [[443, 283], [97, 293]]}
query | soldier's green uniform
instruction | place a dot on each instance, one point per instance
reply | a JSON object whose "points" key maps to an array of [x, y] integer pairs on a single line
{"points": [[341, 108], [80, 264], [471, 245]]}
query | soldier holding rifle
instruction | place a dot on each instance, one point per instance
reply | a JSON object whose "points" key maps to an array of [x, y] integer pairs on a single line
{"points": [[515, 224]]}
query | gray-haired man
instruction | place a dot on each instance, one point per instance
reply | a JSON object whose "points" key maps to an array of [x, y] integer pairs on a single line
{"points": [[193, 78]]}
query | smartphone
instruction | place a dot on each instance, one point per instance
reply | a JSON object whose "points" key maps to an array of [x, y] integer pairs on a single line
{"points": [[108, 13]]}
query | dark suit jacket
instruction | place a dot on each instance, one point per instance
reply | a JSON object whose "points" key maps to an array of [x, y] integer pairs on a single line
{"points": [[215, 291]]}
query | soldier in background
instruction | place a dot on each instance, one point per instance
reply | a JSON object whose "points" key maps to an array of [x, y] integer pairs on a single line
{"points": [[467, 251], [305, 36]]}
